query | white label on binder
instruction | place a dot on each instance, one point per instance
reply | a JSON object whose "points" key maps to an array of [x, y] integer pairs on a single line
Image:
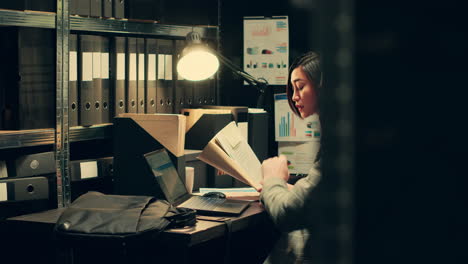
{"points": [[132, 65], [151, 67], [96, 65], [161, 66], [168, 68], [3, 185], [88, 169], [105, 65], [141, 67], [121, 66], [73, 76], [3, 192], [87, 71]]}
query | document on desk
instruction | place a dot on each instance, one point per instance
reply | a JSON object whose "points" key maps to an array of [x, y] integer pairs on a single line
{"points": [[229, 151]]}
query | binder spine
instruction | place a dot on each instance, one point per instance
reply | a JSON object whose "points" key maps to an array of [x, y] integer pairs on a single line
{"points": [[165, 86], [95, 8], [97, 81], [107, 8], [118, 10], [73, 80], [182, 86], [141, 91], [120, 65], [86, 113], [105, 82], [132, 75], [151, 75]]}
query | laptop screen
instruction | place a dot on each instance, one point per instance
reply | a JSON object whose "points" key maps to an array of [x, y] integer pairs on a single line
{"points": [[166, 175]]}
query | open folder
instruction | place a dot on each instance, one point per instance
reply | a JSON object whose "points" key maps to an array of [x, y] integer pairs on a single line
{"points": [[167, 129], [229, 151]]}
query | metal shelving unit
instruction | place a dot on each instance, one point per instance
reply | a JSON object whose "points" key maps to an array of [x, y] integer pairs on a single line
{"points": [[62, 135], [123, 26]]}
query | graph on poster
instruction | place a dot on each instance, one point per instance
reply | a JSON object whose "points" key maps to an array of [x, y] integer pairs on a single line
{"points": [[289, 127]]}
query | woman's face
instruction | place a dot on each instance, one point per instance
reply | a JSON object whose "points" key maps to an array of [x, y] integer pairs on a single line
{"points": [[304, 93]]}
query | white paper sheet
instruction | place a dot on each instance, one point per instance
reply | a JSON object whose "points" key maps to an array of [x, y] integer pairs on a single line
{"points": [[235, 145]]}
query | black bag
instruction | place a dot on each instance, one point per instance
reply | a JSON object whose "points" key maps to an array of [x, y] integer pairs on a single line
{"points": [[119, 218]]}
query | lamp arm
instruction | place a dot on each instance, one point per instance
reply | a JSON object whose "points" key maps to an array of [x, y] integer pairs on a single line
{"points": [[260, 84]]}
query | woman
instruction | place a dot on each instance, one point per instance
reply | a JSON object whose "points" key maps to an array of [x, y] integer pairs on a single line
{"points": [[289, 206]]}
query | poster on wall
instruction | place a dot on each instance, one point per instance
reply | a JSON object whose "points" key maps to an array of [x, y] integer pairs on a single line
{"points": [[300, 155], [289, 127], [266, 48]]}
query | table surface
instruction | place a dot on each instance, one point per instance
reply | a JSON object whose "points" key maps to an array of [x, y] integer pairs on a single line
{"points": [[203, 230]]}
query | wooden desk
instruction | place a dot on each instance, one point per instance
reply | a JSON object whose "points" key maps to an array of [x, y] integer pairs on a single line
{"points": [[29, 238]]}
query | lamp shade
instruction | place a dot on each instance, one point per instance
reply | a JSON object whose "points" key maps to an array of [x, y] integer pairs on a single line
{"points": [[197, 63]]}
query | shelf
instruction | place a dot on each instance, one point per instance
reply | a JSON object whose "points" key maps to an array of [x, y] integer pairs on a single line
{"points": [[26, 138], [80, 133], [138, 28], [90, 24], [38, 137], [27, 18]]}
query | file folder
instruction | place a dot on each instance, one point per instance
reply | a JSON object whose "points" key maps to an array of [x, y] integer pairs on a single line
{"points": [[73, 7], [83, 7], [95, 8], [165, 86], [132, 67], [31, 165], [141, 105], [73, 80], [119, 8], [23, 189], [19, 196], [105, 83], [151, 73], [119, 67], [182, 86], [107, 8], [90, 175], [87, 115]]}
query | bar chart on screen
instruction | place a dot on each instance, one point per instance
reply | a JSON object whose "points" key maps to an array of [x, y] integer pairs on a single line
{"points": [[290, 127]]}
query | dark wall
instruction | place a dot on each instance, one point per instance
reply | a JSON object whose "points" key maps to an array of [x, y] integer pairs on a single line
{"points": [[411, 147]]}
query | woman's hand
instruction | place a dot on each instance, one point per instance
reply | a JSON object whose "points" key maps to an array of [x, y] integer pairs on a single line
{"points": [[276, 167]]}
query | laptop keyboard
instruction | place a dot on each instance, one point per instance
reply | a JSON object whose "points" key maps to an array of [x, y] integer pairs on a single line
{"points": [[205, 203]]}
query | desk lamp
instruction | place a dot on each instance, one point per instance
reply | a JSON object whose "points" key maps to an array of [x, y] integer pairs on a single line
{"points": [[199, 62]]}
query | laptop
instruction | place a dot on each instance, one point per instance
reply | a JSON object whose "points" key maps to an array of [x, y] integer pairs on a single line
{"points": [[176, 193]]}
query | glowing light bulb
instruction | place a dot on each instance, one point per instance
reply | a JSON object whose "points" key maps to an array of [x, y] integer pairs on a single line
{"points": [[198, 65]]}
